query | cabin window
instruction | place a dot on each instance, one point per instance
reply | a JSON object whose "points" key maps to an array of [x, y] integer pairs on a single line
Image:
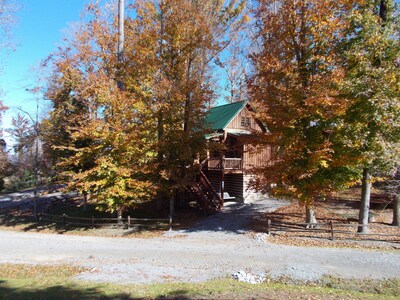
{"points": [[245, 122]]}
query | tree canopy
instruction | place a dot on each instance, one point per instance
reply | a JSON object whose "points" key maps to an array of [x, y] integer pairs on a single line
{"points": [[123, 146], [371, 89], [295, 90], [325, 82]]}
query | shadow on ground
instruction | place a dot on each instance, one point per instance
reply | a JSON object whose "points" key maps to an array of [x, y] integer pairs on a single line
{"points": [[27, 223], [18, 215], [236, 217], [75, 292]]}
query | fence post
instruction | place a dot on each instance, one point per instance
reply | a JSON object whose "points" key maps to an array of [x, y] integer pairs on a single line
{"points": [[92, 222], [331, 224], [268, 226], [171, 212], [65, 219], [129, 222]]}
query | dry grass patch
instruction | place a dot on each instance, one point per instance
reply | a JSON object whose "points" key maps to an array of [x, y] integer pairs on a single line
{"points": [[18, 271]]}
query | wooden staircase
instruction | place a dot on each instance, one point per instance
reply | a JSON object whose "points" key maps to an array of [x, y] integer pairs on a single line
{"points": [[206, 196]]}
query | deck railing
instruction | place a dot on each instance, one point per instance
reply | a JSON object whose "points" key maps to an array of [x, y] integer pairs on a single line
{"points": [[227, 163]]}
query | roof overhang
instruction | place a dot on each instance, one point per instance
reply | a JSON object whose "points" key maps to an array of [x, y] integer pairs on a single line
{"points": [[238, 132], [213, 135]]}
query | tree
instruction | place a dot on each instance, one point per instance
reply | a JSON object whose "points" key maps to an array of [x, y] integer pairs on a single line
{"points": [[116, 173], [24, 136], [98, 129], [234, 60], [236, 67], [124, 145], [2, 110], [5, 165], [179, 41], [295, 92], [370, 86], [7, 20], [8, 8]]}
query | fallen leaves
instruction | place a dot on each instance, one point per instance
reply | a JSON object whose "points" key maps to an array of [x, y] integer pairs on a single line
{"points": [[341, 211]]}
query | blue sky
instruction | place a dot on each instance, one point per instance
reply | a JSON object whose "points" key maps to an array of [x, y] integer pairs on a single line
{"points": [[41, 27]]}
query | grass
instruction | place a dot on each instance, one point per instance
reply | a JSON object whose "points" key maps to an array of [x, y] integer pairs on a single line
{"points": [[382, 287], [56, 282]]}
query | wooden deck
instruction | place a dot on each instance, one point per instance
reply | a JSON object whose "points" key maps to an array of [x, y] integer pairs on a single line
{"points": [[226, 164]]}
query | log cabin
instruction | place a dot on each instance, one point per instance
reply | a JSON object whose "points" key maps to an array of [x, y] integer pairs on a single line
{"points": [[230, 169]]}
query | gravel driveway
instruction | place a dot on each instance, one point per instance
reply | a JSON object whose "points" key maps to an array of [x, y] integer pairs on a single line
{"points": [[217, 247]]}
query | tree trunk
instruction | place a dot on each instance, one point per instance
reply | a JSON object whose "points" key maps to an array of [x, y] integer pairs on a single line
{"points": [[121, 36], [160, 115], [119, 215], [383, 11], [188, 100], [396, 211], [159, 201], [85, 198], [121, 40], [365, 199], [181, 197], [171, 207], [310, 216]]}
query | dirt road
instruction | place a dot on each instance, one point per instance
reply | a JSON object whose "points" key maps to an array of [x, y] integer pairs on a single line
{"points": [[217, 247]]}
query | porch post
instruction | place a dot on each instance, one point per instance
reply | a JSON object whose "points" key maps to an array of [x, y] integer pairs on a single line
{"points": [[222, 179], [223, 169]]}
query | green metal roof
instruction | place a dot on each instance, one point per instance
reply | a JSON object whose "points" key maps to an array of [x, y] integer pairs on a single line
{"points": [[219, 117]]}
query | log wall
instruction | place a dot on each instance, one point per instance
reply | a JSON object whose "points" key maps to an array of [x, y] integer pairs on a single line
{"points": [[256, 157]]}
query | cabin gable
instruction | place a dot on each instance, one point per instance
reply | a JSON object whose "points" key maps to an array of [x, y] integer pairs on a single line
{"points": [[244, 120]]}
